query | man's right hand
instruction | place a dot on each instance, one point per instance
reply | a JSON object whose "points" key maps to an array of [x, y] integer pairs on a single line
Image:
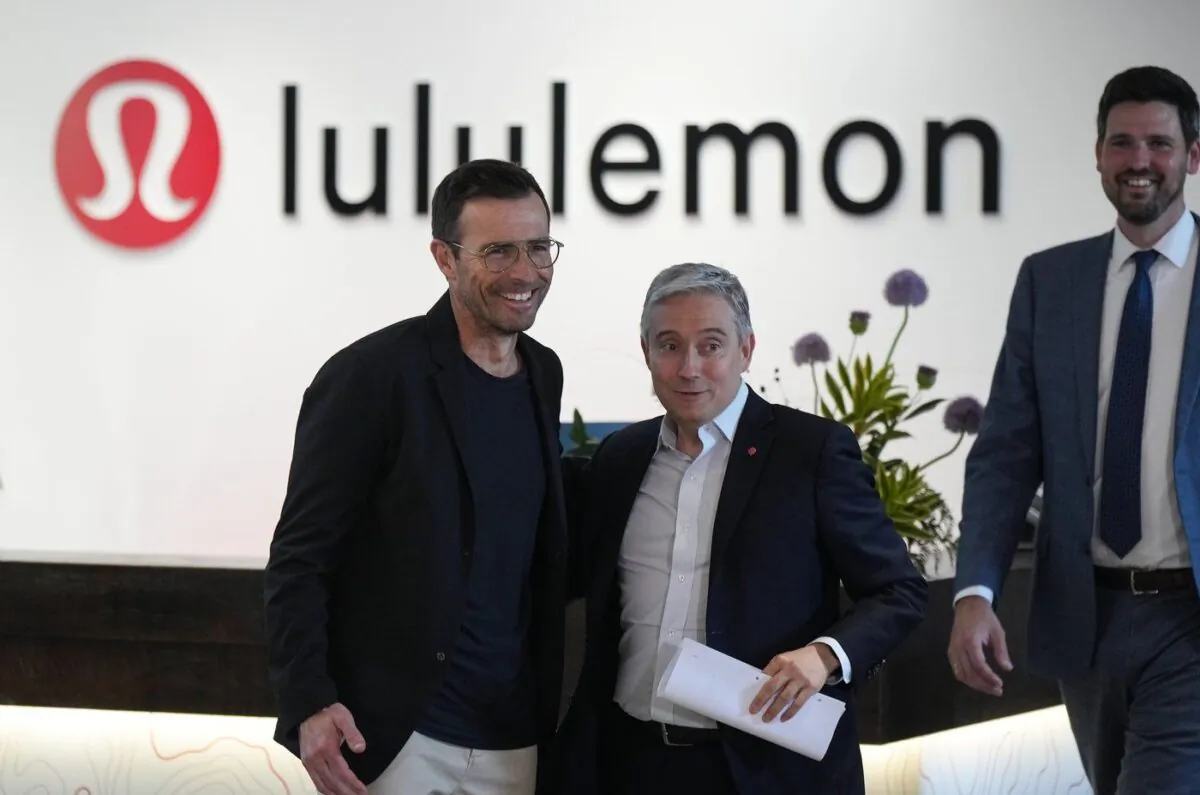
{"points": [[321, 738], [976, 626]]}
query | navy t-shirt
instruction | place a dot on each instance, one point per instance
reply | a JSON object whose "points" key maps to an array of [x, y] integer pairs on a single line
{"points": [[488, 698]]}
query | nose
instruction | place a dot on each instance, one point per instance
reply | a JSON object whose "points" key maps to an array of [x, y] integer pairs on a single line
{"points": [[523, 268], [1140, 157], [690, 366]]}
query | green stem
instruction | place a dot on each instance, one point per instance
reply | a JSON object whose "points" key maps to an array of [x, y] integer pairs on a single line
{"points": [[896, 339], [816, 390], [946, 454], [915, 400], [853, 343]]}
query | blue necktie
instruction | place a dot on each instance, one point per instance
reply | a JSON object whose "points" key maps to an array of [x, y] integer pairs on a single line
{"points": [[1121, 489]]}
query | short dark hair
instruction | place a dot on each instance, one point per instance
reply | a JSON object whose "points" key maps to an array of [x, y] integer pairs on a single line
{"points": [[490, 179], [1151, 84]]}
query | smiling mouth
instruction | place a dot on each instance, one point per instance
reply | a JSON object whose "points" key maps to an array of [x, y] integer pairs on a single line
{"points": [[518, 298], [1138, 183]]}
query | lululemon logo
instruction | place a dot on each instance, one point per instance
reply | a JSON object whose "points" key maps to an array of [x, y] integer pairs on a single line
{"points": [[137, 154]]}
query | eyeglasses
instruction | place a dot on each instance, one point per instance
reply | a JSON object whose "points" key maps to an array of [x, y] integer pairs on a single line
{"points": [[499, 257]]}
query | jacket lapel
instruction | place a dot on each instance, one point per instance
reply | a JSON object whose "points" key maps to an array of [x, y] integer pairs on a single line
{"points": [[1089, 272], [451, 382], [1189, 376], [618, 493], [548, 427], [751, 444]]}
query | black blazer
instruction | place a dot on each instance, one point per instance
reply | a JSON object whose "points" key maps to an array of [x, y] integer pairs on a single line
{"points": [[796, 518], [364, 587]]}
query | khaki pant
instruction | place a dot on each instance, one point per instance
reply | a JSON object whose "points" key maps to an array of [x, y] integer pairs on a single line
{"points": [[428, 767]]}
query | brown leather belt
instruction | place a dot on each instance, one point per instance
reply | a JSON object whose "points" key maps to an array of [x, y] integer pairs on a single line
{"points": [[1145, 581]]}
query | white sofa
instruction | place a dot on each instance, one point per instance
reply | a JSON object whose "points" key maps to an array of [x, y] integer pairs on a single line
{"points": [[89, 752]]}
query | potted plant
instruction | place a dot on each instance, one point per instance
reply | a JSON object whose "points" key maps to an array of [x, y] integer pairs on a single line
{"points": [[866, 395]]}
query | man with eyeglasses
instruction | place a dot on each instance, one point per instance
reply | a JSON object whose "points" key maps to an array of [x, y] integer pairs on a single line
{"points": [[417, 581]]}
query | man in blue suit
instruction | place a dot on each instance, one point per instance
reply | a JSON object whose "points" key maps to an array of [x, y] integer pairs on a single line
{"points": [[1094, 398], [733, 522]]}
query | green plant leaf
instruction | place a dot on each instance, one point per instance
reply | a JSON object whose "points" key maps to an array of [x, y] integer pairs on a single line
{"points": [[924, 407], [835, 393], [578, 433], [844, 375]]}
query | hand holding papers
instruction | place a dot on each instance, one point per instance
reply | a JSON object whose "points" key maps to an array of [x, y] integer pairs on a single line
{"points": [[721, 687]]}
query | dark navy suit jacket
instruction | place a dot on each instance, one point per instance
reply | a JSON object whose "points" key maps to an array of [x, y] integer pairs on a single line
{"points": [[796, 519]]}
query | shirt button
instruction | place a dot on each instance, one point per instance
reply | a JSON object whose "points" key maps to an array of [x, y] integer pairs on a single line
{"points": [[670, 634], [681, 578]]}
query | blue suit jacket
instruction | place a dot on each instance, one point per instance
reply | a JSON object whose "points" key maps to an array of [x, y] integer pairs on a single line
{"points": [[796, 519], [1039, 428]]}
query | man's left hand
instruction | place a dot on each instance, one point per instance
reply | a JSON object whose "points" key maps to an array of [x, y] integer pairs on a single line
{"points": [[795, 676]]}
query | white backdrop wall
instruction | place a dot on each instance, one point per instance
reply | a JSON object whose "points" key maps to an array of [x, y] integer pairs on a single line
{"points": [[148, 397]]}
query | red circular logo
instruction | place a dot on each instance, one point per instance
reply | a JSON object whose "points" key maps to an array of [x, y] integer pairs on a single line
{"points": [[137, 154]]}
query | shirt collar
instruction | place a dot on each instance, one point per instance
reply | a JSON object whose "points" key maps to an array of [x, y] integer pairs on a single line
{"points": [[1173, 246], [726, 422]]}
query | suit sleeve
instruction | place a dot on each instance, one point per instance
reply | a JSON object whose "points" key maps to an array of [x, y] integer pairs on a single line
{"points": [[575, 487], [870, 558], [1004, 466], [339, 444], [579, 474], [574, 496]]}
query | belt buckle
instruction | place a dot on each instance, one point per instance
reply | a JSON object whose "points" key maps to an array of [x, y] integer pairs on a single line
{"points": [[1133, 585], [666, 738]]}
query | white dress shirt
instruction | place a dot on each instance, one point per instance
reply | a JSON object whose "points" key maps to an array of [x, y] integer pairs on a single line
{"points": [[1163, 543], [664, 565]]}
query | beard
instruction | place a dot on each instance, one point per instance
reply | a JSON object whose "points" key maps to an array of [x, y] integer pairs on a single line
{"points": [[1154, 201]]}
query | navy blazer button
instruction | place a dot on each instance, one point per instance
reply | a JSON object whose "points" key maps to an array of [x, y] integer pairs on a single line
{"points": [[441, 657]]}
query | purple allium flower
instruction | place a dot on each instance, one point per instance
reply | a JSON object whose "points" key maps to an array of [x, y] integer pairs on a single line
{"points": [[810, 349], [905, 288], [963, 415], [858, 322]]}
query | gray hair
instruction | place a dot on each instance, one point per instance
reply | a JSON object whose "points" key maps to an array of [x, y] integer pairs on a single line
{"points": [[698, 277]]}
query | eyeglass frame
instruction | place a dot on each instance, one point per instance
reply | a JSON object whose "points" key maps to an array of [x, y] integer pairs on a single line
{"points": [[522, 245]]}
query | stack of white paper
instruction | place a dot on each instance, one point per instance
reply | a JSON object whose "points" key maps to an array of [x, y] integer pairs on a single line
{"points": [[721, 688]]}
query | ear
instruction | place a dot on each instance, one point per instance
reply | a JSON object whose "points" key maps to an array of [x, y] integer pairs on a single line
{"points": [[1099, 149], [1193, 164], [747, 351], [646, 354], [443, 255]]}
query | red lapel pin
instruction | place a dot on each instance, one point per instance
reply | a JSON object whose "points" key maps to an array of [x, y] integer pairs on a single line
{"points": [[752, 451]]}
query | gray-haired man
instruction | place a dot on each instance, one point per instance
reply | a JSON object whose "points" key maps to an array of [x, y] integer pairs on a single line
{"points": [[730, 521]]}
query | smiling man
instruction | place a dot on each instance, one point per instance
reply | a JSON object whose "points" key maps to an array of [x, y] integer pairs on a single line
{"points": [[1094, 398], [733, 522], [416, 586]]}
